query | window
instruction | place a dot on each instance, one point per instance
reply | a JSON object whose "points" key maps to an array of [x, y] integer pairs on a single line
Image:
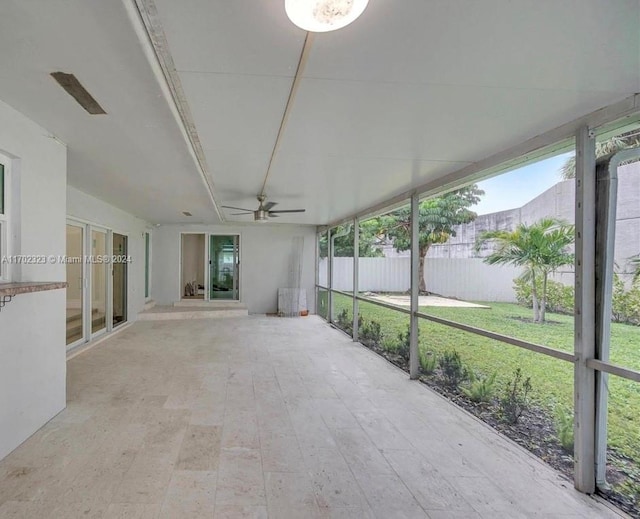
{"points": [[4, 220]]}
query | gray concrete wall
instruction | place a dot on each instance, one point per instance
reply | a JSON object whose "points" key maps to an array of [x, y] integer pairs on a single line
{"points": [[556, 202]]}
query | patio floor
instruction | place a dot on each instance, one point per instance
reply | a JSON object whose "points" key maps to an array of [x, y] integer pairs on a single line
{"points": [[267, 417]]}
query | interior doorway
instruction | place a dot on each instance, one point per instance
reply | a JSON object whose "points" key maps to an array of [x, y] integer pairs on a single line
{"points": [[119, 272], [192, 276]]}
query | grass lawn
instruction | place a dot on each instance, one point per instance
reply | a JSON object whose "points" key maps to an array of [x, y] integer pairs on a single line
{"points": [[551, 379]]}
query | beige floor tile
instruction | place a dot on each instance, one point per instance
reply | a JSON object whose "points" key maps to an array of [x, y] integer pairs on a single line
{"points": [[389, 497], [291, 495], [240, 512], [240, 478], [200, 448], [190, 419], [429, 487], [132, 511], [191, 495]]}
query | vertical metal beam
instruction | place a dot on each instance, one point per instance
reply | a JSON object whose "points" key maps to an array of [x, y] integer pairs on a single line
{"points": [[584, 327], [356, 275], [330, 275], [606, 210], [414, 356], [606, 204], [317, 273]]}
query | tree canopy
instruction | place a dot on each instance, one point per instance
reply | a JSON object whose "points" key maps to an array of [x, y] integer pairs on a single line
{"points": [[370, 240], [437, 219], [620, 142]]}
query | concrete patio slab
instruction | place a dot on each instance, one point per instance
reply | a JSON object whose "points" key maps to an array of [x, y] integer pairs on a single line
{"points": [[267, 417], [405, 300]]}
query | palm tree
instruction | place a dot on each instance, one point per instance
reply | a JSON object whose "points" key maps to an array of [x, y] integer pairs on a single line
{"points": [[541, 248], [619, 142]]}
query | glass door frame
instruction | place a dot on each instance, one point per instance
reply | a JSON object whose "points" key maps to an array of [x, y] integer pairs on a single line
{"points": [[236, 274], [88, 229], [83, 304], [111, 276], [207, 265], [109, 284]]}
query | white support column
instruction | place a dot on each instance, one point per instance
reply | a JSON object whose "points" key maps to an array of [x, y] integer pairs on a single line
{"points": [[356, 275], [584, 327], [414, 358]]}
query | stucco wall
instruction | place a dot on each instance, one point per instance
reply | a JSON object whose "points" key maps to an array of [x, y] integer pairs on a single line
{"points": [[32, 326], [265, 251]]}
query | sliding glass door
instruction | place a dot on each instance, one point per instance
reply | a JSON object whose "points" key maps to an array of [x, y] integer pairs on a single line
{"points": [[224, 261], [99, 281], [119, 266], [75, 283]]}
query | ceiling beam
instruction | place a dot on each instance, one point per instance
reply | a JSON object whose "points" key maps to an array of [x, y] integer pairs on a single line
{"points": [[145, 20]]}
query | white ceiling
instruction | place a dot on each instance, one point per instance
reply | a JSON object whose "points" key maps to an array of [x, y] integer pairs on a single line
{"points": [[135, 156], [413, 90]]}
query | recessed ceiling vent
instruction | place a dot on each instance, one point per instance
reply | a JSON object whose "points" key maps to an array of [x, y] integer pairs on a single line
{"points": [[73, 87]]}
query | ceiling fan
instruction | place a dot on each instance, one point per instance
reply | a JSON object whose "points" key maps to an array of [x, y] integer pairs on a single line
{"points": [[264, 211]]}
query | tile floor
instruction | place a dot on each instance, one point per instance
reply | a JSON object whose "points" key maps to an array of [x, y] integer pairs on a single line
{"points": [[266, 417]]}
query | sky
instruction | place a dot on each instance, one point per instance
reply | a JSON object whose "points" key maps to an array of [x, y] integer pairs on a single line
{"points": [[516, 188]]}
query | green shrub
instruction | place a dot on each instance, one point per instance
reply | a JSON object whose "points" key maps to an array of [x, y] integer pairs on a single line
{"points": [[481, 389], [515, 398], [428, 362], [389, 344], [344, 321], [404, 343], [625, 303], [452, 368], [560, 297], [370, 332], [564, 428]]}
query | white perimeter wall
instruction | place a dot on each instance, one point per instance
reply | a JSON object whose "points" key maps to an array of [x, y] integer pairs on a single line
{"points": [[89, 209], [265, 255], [32, 326], [466, 278]]}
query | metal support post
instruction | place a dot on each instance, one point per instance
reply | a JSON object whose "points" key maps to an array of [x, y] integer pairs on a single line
{"points": [[584, 327], [414, 356]]}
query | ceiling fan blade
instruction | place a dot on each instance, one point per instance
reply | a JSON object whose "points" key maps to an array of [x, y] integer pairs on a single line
{"points": [[238, 208], [240, 214], [269, 205], [288, 211], [271, 215]]}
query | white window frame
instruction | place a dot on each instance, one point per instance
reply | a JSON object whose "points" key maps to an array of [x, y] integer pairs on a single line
{"points": [[5, 221]]}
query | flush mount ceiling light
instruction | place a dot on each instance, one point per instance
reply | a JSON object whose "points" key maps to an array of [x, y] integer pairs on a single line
{"points": [[323, 15]]}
